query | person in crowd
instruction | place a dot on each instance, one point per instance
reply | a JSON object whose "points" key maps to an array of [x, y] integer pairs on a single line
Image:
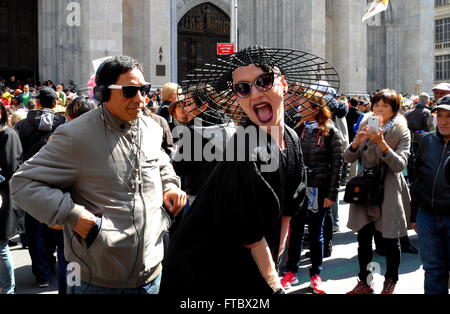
{"points": [[62, 98], [239, 221], [364, 105], [323, 148], [26, 95], [78, 107], [167, 140], [440, 91], [420, 121], [153, 101], [387, 148], [431, 201], [169, 95], [192, 114], [12, 83], [5, 98], [75, 109], [10, 159], [354, 115], [17, 116], [2, 84], [105, 178], [339, 110], [34, 132]]}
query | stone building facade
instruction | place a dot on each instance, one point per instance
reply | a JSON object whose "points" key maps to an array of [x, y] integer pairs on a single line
{"points": [[394, 50], [442, 41]]}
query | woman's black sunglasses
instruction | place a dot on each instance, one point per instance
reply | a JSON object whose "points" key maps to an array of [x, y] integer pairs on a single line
{"points": [[129, 91], [263, 83]]}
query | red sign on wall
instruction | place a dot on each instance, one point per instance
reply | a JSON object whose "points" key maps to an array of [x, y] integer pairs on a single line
{"points": [[225, 49]]}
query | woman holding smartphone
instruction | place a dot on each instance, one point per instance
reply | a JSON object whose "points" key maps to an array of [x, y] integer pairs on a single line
{"points": [[388, 147]]}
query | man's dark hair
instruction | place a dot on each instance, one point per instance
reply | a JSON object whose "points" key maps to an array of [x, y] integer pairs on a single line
{"points": [[79, 106], [354, 102], [109, 71]]}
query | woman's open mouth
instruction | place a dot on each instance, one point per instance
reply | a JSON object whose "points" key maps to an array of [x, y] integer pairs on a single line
{"points": [[264, 112]]}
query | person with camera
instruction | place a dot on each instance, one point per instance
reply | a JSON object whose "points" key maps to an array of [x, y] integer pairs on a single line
{"points": [[384, 150], [323, 148]]}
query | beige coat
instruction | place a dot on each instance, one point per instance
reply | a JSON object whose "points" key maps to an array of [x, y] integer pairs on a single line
{"points": [[87, 166], [392, 218]]}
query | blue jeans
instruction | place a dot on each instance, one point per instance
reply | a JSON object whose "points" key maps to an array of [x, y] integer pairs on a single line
{"points": [[434, 244], [315, 223], [41, 245], [334, 212], [86, 288], [7, 283]]}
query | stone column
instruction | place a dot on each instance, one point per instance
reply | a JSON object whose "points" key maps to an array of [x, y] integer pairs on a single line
{"points": [[349, 45], [63, 49], [414, 43], [283, 24], [401, 47], [66, 51], [155, 43]]}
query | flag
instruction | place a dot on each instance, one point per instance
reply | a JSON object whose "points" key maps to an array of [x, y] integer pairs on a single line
{"points": [[376, 7]]}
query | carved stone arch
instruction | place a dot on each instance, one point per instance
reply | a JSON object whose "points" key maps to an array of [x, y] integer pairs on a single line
{"points": [[198, 32], [189, 5]]}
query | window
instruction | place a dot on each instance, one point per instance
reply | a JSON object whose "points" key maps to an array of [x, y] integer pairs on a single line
{"points": [[442, 31], [440, 3], [442, 68]]}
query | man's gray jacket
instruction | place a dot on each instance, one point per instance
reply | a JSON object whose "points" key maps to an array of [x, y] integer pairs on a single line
{"points": [[88, 164]]}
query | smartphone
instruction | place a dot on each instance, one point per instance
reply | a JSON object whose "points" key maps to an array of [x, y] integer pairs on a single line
{"points": [[374, 123]]}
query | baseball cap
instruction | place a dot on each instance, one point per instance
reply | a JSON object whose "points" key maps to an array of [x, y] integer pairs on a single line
{"points": [[442, 86], [443, 103], [323, 87], [47, 95]]}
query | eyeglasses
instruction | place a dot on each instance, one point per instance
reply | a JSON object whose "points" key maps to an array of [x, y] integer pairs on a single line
{"points": [[263, 83], [129, 91]]}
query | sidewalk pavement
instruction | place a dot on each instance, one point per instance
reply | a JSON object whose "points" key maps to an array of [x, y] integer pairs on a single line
{"points": [[339, 275]]}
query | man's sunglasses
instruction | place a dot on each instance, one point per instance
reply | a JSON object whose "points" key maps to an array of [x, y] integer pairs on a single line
{"points": [[263, 83], [129, 91]]}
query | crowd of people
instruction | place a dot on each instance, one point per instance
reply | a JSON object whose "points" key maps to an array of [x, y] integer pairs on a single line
{"points": [[120, 182]]}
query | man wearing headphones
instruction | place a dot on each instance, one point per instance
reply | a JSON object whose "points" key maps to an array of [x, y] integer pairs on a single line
{"points": [[105, 178]]}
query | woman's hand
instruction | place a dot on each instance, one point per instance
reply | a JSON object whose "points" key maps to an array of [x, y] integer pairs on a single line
{"points": [[360, 137], [378, 138]]}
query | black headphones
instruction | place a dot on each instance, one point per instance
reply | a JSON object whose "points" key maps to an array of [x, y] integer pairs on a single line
{"points": [[101, 92]]}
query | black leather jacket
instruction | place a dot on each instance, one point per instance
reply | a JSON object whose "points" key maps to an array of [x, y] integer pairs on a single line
{"points": [[323, 158], [431, 190]]}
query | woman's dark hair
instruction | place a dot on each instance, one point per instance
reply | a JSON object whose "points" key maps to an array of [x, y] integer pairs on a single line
{"points": [[109, 71], [388, 96], [3, 115], [79, 106]]}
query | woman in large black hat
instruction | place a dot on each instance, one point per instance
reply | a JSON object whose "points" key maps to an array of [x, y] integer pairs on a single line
{"points": [[231, 240]]}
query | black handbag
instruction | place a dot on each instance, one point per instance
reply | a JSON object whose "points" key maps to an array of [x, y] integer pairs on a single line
{"points": [[367, 188]]}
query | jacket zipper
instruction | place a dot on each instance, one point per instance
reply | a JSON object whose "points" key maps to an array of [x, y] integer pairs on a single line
{"points": [[437, 174]]}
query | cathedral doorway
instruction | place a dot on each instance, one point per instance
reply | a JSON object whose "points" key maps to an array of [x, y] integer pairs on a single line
{"points": [[199, 31], [18, 39]]}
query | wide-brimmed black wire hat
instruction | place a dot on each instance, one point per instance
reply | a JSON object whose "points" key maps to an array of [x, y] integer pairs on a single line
{"points": [[312, 81]]}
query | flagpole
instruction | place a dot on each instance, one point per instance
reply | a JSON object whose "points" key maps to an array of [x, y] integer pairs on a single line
{"points": [[234, 24]]}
